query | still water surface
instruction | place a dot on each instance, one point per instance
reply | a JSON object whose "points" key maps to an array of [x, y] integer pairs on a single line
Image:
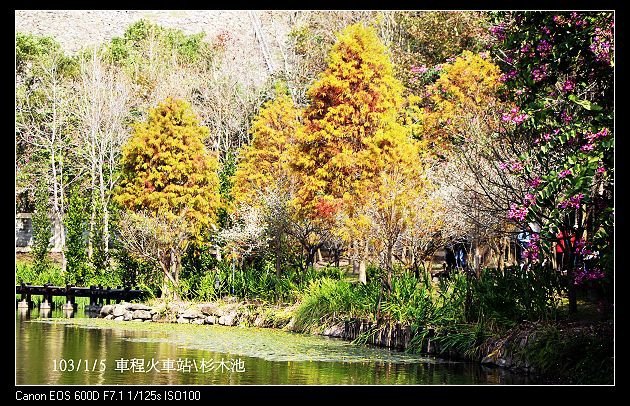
{"points": [[172, 354]]}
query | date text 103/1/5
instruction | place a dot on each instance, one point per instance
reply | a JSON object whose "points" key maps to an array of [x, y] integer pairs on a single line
{"points": [[78, 365]]}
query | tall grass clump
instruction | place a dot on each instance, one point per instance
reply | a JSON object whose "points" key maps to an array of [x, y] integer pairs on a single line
{"points": [[326, 301]]}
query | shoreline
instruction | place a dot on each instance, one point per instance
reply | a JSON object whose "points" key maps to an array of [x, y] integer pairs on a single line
{"points": [[515, 350]]}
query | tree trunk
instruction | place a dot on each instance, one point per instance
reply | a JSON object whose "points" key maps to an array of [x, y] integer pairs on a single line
{"points": [[414, 263], [92, 214], [501, 260], [105, 211], [355, 258], [62, 210], [174, 269], [337, 254], [170, 267], [362, 273], [166, 291], [57, 211], [477, 257], [310, 256], [362, 265], [390, 257]]}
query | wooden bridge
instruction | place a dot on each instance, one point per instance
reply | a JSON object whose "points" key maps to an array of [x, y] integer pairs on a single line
{"points": [[98, 295]]}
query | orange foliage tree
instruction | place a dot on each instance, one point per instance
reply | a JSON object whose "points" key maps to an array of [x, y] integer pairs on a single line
{"points": [[352, 135]]}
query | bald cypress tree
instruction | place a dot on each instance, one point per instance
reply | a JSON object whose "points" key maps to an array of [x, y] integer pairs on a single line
{"points": [[170, 179], [351, 136]]}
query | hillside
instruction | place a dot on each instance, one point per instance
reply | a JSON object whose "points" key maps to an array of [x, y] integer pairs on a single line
{"points": [[74, 29]]}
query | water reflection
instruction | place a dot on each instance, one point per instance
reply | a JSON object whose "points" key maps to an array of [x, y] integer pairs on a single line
{"points": [[204, 355]]}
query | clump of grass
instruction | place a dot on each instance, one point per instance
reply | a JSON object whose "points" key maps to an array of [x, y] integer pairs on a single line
{"points": [[326, 301]]}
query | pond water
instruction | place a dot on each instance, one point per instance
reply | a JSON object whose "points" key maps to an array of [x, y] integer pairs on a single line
{"points": [[88, 351]]}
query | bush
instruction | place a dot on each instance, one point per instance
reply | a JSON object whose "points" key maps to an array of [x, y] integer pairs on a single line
{"points": [[27, 273], [76, 223], [201, 273], [331, 272], [516, 295]]}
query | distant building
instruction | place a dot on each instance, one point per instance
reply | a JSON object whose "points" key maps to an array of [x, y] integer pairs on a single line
{"points": [[24, 233]]}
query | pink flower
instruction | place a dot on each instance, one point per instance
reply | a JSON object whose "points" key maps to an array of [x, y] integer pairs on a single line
{"points": [[544, 47], [573, 202], [503, 166], [564, 173], [520, 118], [529, 199], [601, 169], [514, 116], [568, 85], [603, 133], [517, 213], [539, 74], [534, 182], [602, 45], [498, 31], [533, 249], [587, 147], [507, 76], [516, 166], [580, 247], [584, 275], [419, 70]]}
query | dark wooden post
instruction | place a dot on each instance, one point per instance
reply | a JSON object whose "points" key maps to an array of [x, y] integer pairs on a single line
{"points": [[92, 298], [69, 305], [25, 297], [46, 303]]}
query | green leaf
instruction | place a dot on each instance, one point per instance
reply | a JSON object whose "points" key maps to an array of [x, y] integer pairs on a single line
{"points": [[585, 103]]}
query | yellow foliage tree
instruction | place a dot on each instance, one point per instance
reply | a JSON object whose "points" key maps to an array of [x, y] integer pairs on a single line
{"points": [[263, 163], [464, 95], [263, 179], [352, 135], [169, 176]]}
